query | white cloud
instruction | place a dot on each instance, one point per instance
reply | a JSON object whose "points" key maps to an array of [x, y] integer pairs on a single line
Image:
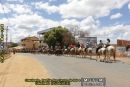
{"points": [[82, 8], [67, 22], [85, 8], [129, 6], [17, 8], [21, 1], [114, 32], [116, 16], [89, 23], [47, 7], [52, 0], [4, 9], [20, 9], [24, 25]]}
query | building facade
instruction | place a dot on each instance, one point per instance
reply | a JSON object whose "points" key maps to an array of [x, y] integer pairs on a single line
{"points": [[88, 40], [41, 36], [30, 42]]}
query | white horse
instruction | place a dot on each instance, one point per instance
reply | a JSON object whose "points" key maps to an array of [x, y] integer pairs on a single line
{"points": [[81, 51], [88, 51], [111, 51], [101, 52], [72, 51], [107, 52]]}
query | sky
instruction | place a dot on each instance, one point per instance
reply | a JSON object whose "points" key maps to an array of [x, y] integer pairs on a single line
{"points": [[101, 18]]}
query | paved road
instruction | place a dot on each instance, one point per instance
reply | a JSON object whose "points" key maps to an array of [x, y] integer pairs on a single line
{"points": [[116, 74]]}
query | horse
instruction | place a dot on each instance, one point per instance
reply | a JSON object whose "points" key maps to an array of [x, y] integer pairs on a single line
{"points": [[107, 52], [58, 52], [66, 51], [81, 51], [111, 51], [50, 51], [72, 51], [88, 51], [101, 52]]}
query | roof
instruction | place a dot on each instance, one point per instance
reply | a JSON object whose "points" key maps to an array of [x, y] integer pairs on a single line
{"points": [[46, 30], [31, 38]]}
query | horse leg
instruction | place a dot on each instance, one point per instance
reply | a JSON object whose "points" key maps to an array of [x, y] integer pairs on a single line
{"points": [[105, 58], [90, 54], [114, 55], [97, 56], [82, 54]]}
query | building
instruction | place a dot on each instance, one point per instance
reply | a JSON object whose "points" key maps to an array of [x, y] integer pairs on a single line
{"points": [[30, 42], [124, 45], [121, 42], [41, 36], [90, 40]]}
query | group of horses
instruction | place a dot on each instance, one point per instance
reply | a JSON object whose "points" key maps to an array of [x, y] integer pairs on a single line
{"points": [[103, 54]]}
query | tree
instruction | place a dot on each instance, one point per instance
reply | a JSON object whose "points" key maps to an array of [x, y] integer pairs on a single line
{"points": [[14, 45], [58, 36]]}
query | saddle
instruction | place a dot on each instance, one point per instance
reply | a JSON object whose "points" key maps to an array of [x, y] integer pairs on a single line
{"points": [[107, 45]]}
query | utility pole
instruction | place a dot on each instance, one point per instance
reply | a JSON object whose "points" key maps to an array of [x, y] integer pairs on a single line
{"points": [[2, 35]]}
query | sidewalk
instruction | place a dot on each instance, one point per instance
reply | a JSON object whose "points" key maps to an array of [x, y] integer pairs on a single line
{"points": [[124, 60], [16, 69]]}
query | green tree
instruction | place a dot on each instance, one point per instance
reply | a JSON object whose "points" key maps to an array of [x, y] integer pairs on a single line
{"points": [[58, 35], [14, 45]]}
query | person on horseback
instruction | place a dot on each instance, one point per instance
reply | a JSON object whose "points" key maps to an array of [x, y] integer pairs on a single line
{"points": [[99, 46], [78, 45], [87, 45], [108, 43], [82, 45]]}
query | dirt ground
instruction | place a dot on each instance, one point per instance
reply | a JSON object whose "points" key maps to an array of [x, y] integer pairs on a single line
{"points": [[16, 69]]}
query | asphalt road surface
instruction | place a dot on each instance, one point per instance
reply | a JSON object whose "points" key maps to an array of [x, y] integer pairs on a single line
{"points": [[62, 67]]}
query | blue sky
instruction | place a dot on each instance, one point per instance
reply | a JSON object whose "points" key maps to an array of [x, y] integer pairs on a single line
{"points": [[107, 18]]}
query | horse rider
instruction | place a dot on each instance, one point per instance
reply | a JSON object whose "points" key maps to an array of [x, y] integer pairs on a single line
{"points": [[100, 45], [78, 45], [108, 43], [87, 45], [82, 45]]}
